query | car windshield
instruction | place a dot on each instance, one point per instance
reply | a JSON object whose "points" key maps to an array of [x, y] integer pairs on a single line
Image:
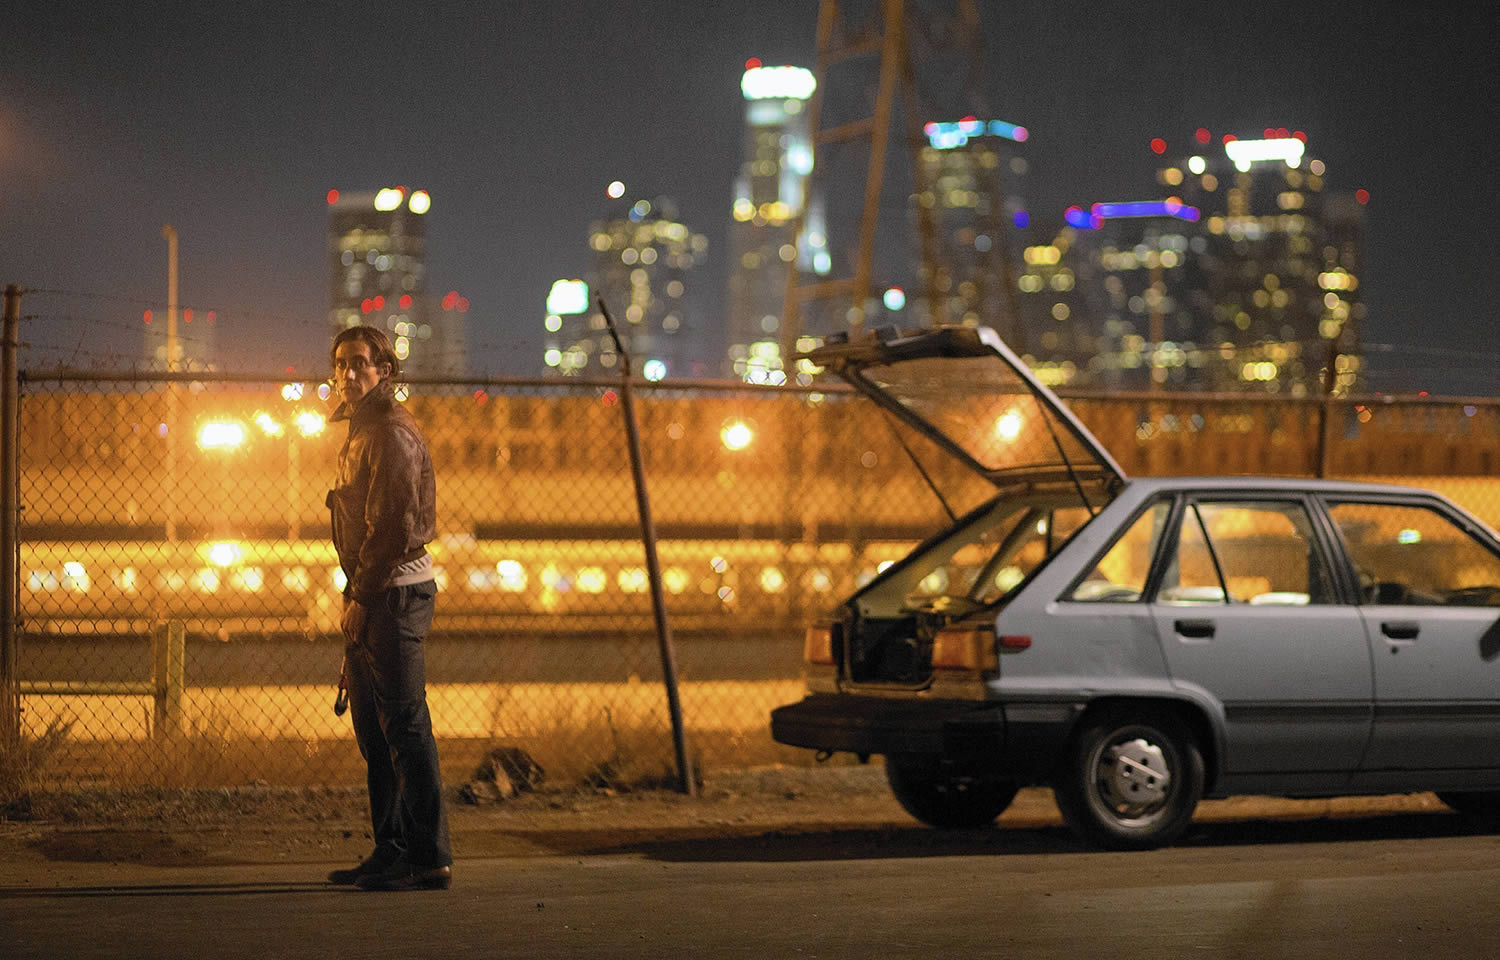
{"points": [[983, 407], [980, 560]]}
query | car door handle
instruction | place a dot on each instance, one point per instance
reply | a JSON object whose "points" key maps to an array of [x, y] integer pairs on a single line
{"points": [[1400, 629], [1197, 629]]}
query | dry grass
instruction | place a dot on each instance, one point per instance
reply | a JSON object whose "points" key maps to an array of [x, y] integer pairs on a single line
{"points": [[23, 759], [213, 768], [208, 759]]}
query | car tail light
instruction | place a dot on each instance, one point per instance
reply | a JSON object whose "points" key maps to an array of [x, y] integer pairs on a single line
{"points": [[817, 645], [969, 648]]}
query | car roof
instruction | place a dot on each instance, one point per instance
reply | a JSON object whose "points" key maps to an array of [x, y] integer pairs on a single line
{"points": [[1273, 485]]}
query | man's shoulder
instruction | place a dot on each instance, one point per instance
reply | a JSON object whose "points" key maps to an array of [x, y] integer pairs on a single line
{"points": [[397, 424]]}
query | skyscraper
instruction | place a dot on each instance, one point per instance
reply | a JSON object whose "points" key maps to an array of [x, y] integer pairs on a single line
{"points": [[967, 207], [1062, 299], [770, 195], [643, 255], [1280, 265], [1151, 276], [377, 252], [1239, 272]]}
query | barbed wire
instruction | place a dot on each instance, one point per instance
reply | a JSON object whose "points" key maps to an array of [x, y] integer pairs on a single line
{"points": [[188, 336], [155, 304], [1432, 351], [487, 353]]}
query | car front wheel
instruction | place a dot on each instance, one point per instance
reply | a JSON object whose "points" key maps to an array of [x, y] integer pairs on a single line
{"points": [[1130, 782], [944, 796]]}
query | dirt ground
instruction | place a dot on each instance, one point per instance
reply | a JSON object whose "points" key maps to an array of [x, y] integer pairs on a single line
{"points": [[269, 825]]}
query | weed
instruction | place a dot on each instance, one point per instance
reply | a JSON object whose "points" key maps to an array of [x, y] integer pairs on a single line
{"points": [[22, 758]]}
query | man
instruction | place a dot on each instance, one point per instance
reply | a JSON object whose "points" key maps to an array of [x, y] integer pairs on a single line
{"points": [[384, 513]]}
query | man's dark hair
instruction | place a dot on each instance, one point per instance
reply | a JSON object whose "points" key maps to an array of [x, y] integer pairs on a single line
{"points": [[381, 350]]}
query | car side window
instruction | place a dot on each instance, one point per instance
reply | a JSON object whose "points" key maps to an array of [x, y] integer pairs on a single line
{"points": [[1262, 553], [1120, 575], [1416, 555]]}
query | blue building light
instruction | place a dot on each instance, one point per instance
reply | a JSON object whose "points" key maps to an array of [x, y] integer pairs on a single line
{"points": [[1082, 219], [956, 133], [1010, 131], [1170, 207]]}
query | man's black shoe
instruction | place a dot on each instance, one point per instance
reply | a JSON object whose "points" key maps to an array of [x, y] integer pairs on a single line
{"points": [[403, 876], [368, 866]]}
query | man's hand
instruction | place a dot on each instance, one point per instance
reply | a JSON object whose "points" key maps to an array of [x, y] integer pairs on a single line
{"points": [[353, 623]]}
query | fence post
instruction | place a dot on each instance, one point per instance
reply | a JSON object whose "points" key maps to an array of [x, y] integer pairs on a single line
{"points": [[10, 412], [1325, 425], [168, 675], [687, 783], [1325, 410]]}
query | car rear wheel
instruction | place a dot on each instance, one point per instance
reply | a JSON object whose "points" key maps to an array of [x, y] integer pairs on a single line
{"points": [[943, 796], [1130, 782]]}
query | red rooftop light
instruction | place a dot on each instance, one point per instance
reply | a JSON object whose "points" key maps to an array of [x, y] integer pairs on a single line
{"points": [[1158, 146], [333, 197], [146, 316], [1230, 138], [1362, 195], [1202, 135], [1300, 135], [753, 63]]}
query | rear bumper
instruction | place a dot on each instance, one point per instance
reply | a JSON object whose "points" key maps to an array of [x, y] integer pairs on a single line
{"points": [[1027, 738]]}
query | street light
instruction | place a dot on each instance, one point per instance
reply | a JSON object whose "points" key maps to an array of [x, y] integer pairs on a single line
{"points": [[736, 435], [221, 435], [1008, 426], [310, 423], [268, 424]]}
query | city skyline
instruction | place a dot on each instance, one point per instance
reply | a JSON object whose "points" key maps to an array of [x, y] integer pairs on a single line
{"points": [[113, 123]]}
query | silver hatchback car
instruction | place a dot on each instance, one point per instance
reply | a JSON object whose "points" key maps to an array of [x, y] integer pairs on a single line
{"points": [[1137, 645]]}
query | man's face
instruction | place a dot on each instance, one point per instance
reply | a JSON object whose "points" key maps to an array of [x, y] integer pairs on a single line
{"points": [[354, 370]]}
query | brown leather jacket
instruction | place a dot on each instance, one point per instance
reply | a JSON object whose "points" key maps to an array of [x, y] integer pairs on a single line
{"points": [[384, 506]]}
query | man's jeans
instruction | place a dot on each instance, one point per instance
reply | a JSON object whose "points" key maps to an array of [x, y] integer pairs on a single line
{"points": [[388, 703]]}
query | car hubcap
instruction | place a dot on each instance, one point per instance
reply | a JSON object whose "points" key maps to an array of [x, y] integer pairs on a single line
{"points": [[1133, 777]]}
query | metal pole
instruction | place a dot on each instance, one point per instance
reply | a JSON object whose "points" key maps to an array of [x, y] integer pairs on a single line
{"points": [[893, 55], [170, 499], [685, 781], [1325, 408], [294, 475], [10, 409], [168, 671]]}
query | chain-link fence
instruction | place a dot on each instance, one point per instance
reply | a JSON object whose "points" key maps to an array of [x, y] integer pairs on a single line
{"points": [[179, 597]]}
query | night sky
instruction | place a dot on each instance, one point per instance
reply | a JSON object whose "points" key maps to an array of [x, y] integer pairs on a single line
{"points": [[232, 121]]}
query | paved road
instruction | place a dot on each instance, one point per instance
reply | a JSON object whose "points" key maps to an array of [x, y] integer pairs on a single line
{"points": [[1409, 885]]}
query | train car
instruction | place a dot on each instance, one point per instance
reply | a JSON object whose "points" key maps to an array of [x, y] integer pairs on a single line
{"points": [[562, 586]]}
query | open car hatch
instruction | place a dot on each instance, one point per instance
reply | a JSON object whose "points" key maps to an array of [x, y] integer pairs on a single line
{"points": [[971, 395]]}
